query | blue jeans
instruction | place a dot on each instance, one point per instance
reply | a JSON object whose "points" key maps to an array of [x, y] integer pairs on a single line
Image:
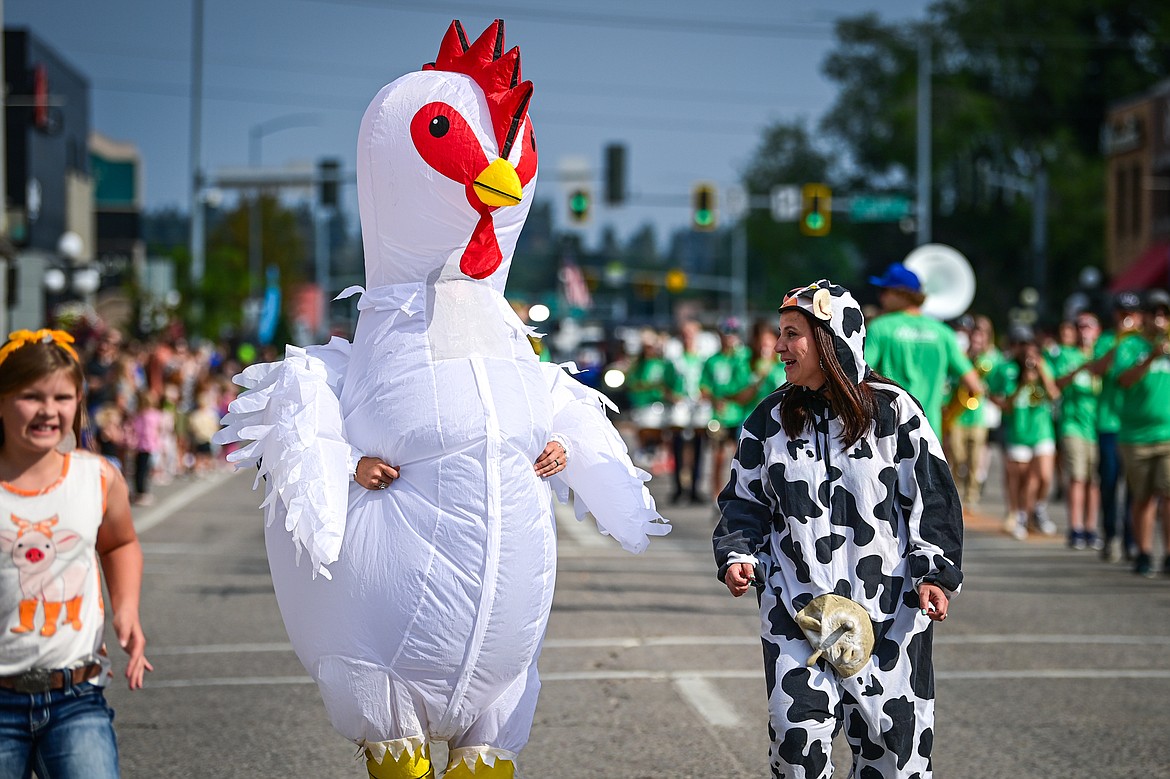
{"points": [[61, 734], [1116, 520]]}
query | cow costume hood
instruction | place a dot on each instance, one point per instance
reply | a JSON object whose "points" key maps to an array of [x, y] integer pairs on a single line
{"points": [[834, 308]]}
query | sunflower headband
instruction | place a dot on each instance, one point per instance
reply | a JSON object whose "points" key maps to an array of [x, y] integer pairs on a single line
{"points": [[19, 338]]}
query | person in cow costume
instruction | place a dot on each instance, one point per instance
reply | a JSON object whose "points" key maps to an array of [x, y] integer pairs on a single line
{"points": [[841, 509], [414, 466]]}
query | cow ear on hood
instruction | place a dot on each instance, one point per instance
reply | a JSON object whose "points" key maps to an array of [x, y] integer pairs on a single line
{"points": [[835, 308]]}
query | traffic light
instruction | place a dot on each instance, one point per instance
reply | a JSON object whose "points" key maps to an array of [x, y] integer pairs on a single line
{"points": [[328, 182], [579, 202], [815, 209], [703, 208], [615, 174]]}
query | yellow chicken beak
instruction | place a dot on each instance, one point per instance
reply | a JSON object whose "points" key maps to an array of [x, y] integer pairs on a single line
{"points": [[498, 185]]}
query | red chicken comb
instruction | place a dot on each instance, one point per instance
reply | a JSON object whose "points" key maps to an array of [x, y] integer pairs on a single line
{"points": [[495, 71]]}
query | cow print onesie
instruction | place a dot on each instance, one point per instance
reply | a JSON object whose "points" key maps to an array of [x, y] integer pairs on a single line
{"points": [[869, 522]]}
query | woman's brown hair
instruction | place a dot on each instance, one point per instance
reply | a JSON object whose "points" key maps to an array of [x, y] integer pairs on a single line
{"points": [[32, 362], [854, 403]]}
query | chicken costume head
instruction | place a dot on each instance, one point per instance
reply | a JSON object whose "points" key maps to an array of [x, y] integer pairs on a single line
{"points": [[447, 166]]}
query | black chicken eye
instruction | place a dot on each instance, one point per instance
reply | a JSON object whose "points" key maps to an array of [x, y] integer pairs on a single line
{"points": [[439, 126]]}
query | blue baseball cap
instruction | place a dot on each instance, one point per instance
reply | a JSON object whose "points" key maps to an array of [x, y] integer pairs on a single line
{"points": [[897, 276], [730, 326]]}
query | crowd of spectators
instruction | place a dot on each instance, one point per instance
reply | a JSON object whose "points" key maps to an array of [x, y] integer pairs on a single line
{"points": [[154, 405], [1080, 413]]}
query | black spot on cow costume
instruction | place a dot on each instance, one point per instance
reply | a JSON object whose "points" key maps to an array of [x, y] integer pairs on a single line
{"points": [[863, 526]]}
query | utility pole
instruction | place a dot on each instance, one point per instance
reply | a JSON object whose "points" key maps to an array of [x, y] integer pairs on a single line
{"points": [[739, 269], [1040, 234], [197, 216], [321, 269], [924, 77]]}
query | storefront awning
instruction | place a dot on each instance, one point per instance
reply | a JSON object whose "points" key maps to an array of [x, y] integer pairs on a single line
{"points": [[1150, 269]]}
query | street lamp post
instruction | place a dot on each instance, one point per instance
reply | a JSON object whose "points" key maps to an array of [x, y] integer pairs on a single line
{"points": [[255, 136], [68, 278]]}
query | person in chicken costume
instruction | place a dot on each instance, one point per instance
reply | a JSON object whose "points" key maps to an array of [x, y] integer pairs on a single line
{"points": [[426, 596]]}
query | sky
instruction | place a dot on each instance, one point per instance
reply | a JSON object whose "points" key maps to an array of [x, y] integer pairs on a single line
{"points": [[688, 86]]}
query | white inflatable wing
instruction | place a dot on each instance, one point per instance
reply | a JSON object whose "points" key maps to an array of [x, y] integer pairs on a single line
{"points": [[289, 419], [604, 481]]}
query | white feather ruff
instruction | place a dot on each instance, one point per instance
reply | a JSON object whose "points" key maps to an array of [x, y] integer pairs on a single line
{"points": [[603, 479], [289, 418]]}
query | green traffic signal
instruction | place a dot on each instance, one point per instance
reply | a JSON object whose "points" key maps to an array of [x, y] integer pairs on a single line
{"points": [[579, 205], [703, 207], [815, 209]]}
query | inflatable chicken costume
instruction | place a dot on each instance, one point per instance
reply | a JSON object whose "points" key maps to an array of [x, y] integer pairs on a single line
{"points": [[421, 608]]}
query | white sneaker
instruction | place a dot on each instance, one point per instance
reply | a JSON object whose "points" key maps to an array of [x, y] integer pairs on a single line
{"points": [[1043, 523], [1019, 531]]}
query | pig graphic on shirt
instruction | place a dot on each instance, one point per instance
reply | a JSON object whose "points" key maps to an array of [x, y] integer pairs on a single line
{"points": [[44, 576]]}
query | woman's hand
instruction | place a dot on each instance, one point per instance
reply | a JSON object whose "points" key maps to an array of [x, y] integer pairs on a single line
{"points": [[552, 460], [933, 601], [739, 577], [374, 473]]}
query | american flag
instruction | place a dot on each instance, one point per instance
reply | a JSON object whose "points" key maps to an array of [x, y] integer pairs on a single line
{"points": [[573, 286]]}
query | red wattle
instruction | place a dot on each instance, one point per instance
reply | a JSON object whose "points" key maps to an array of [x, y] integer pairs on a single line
{"points": [[482, 256]]}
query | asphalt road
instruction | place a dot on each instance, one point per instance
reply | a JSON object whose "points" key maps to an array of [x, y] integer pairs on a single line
{"points": [[1053, 663]]}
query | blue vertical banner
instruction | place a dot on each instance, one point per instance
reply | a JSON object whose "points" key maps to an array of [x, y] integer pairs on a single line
{"points": [[270, 308]]}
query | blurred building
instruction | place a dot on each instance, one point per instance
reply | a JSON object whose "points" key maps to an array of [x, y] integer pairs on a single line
{"points": [[48, 185], [117, 203], [1136, 144], [117, 193]]}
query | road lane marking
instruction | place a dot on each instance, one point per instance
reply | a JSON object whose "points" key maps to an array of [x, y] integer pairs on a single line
{"points": [[707, 701], [147, 517], [631, 642], [1055, 673], [1054, 639], [228, 682], [634, 642], [674, 676], [220, 649], [577, 530]]}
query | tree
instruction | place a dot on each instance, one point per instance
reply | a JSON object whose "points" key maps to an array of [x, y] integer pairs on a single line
{"points": [[228, 279], [779, 257], [1016, 87]]}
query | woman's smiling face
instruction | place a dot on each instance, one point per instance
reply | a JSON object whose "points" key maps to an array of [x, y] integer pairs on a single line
{"points": [[798, 351]]}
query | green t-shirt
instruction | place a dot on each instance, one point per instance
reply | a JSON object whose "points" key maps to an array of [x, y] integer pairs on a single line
{"points": [[1078, 399], [919, 353], [725, 376], [1144, 410], [646, 382], [1108, 403], [984, 364], [1028, 421], [775, 376], [683, 376]]}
